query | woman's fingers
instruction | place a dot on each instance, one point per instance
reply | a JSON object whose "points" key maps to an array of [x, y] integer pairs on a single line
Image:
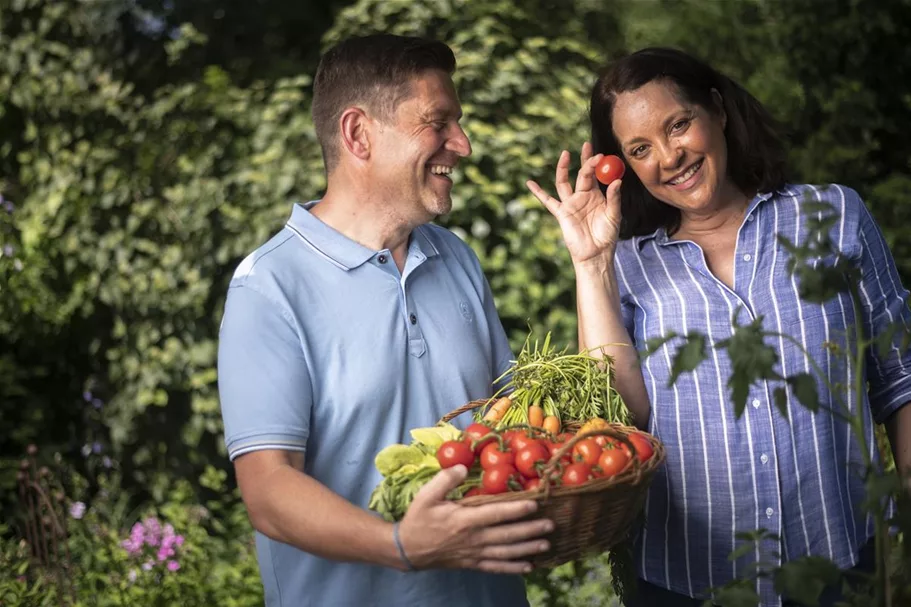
{"points": [[585, 180], [564, 187], [586, 152], [549, 202]]}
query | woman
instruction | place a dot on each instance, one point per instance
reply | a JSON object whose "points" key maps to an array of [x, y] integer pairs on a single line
{"points": [[686, 242]]}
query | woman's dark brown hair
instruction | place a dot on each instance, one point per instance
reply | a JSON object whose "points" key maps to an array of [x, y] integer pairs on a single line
{"points": [[756, 154]]}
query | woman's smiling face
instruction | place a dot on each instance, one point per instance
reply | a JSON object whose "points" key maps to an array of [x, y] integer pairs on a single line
{"points": [[677, 149]]}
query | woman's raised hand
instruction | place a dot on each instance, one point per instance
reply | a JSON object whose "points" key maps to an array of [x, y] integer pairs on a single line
{"points": [[589, 220]]}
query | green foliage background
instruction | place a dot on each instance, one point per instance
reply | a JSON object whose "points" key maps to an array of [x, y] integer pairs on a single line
{"points": [[148, 145]]}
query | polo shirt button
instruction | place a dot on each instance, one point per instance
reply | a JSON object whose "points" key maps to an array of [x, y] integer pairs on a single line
{"points": [[381, 259], [413, 319]]}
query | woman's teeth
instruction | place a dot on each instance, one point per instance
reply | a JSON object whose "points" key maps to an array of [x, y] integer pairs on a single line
{"points": [[689, 173], [438, 169]]}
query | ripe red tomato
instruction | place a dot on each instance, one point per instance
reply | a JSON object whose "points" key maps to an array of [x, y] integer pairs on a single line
{"points": [[500, 479], [454, 452], [587, 451], [609, 169], [492, 455], [522, 440], [554, 446], [530, 460], [643, 447], [478, 431], [531, 484], [473, 491], [509, 437], [576, 474], [616, 444], [612, 462]]}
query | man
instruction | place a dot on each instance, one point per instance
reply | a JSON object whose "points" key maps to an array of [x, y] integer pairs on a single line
{"points": [[355, 323]]}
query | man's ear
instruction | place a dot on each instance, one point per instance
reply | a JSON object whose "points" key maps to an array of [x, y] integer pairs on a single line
{"points": [[719, 107], [354, 132]]}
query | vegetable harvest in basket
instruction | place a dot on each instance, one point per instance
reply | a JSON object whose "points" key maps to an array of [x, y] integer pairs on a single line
{"points": [[550, 397]]}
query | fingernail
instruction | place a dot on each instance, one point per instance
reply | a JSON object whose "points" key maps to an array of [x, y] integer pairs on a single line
{"points": [[527, 569], [543, 546], [532, 506], [548, 527]]}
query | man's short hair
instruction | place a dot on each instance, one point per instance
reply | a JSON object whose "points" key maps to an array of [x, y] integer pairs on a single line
{"points": [[373, 72]]}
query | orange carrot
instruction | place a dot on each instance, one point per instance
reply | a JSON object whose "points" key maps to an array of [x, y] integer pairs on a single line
{"points": [[498, 409], [535, 416], [552, 424]]}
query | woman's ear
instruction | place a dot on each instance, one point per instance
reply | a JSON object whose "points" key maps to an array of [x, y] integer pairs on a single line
{"points": [[718, 101], [354, 132]]}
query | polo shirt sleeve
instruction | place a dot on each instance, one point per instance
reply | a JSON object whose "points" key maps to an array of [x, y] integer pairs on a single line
{"points": [[885, 304], [263, 381]]}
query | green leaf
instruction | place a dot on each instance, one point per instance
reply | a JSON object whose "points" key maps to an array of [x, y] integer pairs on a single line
{"points": [[804, 579], [655, 344], [804, 386], [740, 595], [689, 355], [781, 400]]}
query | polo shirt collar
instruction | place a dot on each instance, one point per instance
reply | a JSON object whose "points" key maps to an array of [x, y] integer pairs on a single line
{"points": [[340, 249]]}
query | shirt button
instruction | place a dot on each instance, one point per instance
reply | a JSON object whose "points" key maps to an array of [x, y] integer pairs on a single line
{"points": [[413, 319], [749, 218], [381, 259], [756, 403], [764, 458], [747, 257], [769, 512]]}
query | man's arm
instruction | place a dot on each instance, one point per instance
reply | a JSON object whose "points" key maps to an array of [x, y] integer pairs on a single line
{"points": [[291, 507]]}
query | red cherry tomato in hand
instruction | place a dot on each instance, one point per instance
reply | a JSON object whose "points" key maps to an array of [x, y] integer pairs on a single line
{"points": [[453, 452], [500, 479], [492, 455], [609, 169]]}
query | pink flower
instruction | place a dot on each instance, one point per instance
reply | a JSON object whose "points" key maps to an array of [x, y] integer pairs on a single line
{"points": [[77, 510], [173, 565]]}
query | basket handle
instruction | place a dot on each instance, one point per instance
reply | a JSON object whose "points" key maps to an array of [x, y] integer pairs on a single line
{"points": [[475, 404]]}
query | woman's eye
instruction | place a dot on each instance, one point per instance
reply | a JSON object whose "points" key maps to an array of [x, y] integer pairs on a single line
{"points": [[638, 151], [680, 125]]}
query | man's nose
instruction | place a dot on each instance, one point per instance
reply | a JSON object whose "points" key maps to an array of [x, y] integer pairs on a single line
{"points": [[459, 143]]}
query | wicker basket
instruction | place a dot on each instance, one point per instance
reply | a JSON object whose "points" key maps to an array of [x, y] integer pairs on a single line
{"points": [[591, 518]]}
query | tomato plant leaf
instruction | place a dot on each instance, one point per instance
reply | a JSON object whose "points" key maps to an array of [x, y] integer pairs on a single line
{"points": [[804, 386], [781, 400], [804, 579], [739, 594], [689, 355]]}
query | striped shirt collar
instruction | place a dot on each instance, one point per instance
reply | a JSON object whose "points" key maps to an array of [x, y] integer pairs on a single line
{"points": [[660, 235]]}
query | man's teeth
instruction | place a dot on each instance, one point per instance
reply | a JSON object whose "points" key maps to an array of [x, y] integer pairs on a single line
{"points": [[690, 172], [438, 169]]}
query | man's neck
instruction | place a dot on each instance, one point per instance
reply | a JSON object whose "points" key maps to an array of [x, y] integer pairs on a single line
{"points": [[365, 219]]}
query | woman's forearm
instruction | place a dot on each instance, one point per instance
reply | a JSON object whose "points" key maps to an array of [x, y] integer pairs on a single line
{"points": [[601, 325]]}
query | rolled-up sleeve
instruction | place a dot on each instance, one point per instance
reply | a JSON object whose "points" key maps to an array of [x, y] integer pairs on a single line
{"points": [[885, 307], [263, 382]]}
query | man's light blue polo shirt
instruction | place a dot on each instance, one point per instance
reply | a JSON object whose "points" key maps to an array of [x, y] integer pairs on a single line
{"points": [[327, 349]]}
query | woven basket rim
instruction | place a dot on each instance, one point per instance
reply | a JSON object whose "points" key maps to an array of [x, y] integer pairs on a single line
{"points": [[633, 479]]}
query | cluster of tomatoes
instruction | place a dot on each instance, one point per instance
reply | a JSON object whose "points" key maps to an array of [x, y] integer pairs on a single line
{"points": [[516, 459]]}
